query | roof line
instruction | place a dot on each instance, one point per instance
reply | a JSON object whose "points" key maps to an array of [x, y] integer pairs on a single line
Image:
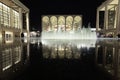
{"points": [[21, 5]]}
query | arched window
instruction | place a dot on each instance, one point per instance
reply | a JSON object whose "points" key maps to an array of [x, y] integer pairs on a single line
{"points": [[53, 21], [61, 23], [45, 23], [77, 22], [69, 23]]}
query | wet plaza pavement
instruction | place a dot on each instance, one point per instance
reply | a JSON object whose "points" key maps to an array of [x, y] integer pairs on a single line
{"points": [[36, 59]]}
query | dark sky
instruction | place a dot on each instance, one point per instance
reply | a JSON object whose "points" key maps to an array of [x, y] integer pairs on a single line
{"points": [[86, 8]]}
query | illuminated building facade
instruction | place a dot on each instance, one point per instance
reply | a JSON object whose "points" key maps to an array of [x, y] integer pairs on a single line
{"points": [[108, 18], [61, 22], [14, 19]]}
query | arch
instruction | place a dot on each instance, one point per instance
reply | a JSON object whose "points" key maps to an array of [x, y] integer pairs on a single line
{"points": [[69, 23], [61, 23], [53, 21], [77, 22], [45, 23]]}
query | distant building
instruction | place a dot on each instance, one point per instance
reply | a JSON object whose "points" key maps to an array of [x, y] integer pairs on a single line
{"points": [[14, 19], [108, 18], [61, 22], [35, 34]]}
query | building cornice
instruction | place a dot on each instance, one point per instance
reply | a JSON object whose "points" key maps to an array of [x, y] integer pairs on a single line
{"points": [[17, 2]]}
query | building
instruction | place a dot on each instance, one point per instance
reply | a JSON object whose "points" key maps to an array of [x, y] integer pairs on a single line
{"points": [[65, 27], [14, 19], [61, 22], [108, 18]]}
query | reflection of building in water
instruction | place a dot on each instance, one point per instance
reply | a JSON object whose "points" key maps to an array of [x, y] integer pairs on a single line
{"points": [[13, 57], [108, 19], [61, 51], [108, 56], [14, 19], [65, 48]]}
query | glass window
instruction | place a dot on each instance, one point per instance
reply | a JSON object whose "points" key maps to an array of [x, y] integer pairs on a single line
{"points": [[6, 59], [77, 22], [53, 21], [111, 16], [4, 15], [15, 19], [0, 13], [69, 23], [45, 23]]}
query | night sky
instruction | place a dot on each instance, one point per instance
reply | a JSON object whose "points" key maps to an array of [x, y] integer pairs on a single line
{"points": [[86, 8]]}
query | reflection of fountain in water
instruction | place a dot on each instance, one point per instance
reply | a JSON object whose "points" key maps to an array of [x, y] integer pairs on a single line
{"points": [[78, 43], [69, 49], [84, 33]]}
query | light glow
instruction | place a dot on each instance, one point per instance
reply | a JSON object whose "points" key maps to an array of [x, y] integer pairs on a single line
{"points": [[84, 33], [6, 67]]}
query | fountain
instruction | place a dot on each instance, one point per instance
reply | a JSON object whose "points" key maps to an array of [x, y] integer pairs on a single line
{"points": [[80, 33]]}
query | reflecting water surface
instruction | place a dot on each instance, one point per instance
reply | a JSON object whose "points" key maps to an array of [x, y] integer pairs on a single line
{"points": [[66, 49], [36, 59], [14, 58], [108, 57]]}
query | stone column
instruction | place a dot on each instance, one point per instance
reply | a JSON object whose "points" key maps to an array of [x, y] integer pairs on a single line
{"points": [[118, 18], [27, 24], [20, 20], [106, 18], [73, 23], [0, 21], [57, 22], [50, 23], [97, 21], [65, 23], [81, 23], [11, 18]]}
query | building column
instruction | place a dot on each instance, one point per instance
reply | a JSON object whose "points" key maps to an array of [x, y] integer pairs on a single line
{"points": [[0, 27], [50, 23], [20, 20], [106, 18], [81, 23], [57, 22], [118, 18], [65, 23], [73, 23], [97, 21], [27, 24], [11, 18], [116, 13]]}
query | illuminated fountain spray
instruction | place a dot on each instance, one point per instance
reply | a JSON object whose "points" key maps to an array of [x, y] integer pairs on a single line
{"points": [[74, 33], [80, 33], [65, 27]]}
